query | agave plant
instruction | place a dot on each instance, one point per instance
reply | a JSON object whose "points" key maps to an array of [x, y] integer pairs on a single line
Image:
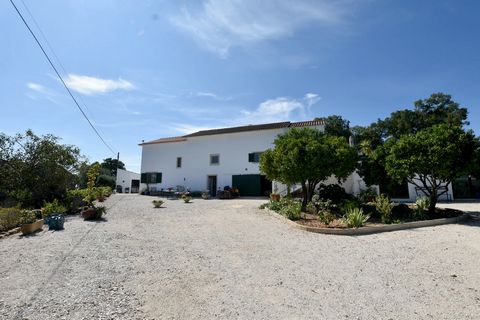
{"points": [[157, 203], [355, 218]]}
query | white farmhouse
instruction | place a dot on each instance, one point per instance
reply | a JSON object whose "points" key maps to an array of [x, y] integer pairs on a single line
{"points": [[213, 159]]}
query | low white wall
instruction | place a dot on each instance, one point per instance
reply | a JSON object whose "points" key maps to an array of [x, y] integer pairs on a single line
{"points": [[412, 193]]}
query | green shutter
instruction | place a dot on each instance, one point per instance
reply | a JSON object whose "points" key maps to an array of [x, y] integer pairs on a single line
{"points": [[251, 157], [143, 178], [159, 177]]}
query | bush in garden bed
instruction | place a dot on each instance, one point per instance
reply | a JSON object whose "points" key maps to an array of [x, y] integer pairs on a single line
{"points": [[9, 218], [287, 207], [355, 218], [53, 208]]}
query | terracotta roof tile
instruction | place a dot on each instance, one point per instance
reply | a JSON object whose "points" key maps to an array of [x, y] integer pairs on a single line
{"points": [[255, 127], [164, 140]]}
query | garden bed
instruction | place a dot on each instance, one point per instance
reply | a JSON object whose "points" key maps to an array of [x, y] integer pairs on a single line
{"points": [[313, 225]]}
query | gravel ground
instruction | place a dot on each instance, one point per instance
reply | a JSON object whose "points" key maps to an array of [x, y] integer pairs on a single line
{"points": [[230, 260]]}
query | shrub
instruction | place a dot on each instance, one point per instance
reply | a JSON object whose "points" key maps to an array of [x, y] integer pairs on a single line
{"points": [[9, 218], [27, 216], [323, 204], [186, 197], [263, 206], [421, 207], [75, 199], [54, 207], [422, 203], [326, 217], [367, 195], [157, 203], [275, 205], [311, 208], [355, 218], [333, 192], [104, 180], [384, 206], [348, 204], [99, 211], [287, 207], [291, 209]]}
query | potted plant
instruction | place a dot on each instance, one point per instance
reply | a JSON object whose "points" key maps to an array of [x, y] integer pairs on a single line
{"points": [[56, 222], [274, 196], [52, 213], [90, 211], [29, 222], [186, 197], [101, 195], [206, 195], [157, 203]]}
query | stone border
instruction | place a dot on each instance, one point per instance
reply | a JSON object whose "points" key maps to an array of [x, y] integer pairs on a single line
{"points": [[372, 229], [10, 232]]}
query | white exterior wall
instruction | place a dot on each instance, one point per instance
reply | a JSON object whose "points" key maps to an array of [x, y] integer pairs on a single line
{"points": [[233, 149], [124, 178]]}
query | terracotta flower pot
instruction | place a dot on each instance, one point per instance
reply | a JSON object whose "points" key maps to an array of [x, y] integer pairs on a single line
{"points": [[275, 197], [89, 214], [31, 227]]}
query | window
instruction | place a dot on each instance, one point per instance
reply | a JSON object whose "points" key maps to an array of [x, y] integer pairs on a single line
{"points": [[254, 157], [151, 177], [214, 159], [179, 162]]}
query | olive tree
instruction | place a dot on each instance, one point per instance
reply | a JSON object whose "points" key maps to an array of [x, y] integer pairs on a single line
{"points": [[36, 168], [431, 158], [307, 156]]}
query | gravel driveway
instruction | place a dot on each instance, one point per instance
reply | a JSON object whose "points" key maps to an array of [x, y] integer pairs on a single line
{"points": [[230, 260]]}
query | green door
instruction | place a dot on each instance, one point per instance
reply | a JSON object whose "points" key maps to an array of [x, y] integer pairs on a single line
{"points": [[248, 184]]}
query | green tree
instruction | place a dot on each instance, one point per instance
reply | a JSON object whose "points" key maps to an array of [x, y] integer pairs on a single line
{"points": [[307, 156], [431, 157], [437, 109], [110, 165], [34, 168], [336, 126]]}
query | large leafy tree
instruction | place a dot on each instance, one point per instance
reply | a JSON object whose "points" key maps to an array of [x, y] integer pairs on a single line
{"points": [[110, 166], [307, 156], [36, 168], [431, 158], [437, 109], [336, 126]]}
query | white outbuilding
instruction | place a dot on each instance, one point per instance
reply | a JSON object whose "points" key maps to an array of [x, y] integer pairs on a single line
{"points": [[127, 181]]}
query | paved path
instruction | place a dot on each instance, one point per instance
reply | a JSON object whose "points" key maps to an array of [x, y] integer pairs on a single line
{"points": [[229, 260]]}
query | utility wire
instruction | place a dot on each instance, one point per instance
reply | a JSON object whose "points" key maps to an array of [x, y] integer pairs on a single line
{"points": [[89, 113], [61, 79]]}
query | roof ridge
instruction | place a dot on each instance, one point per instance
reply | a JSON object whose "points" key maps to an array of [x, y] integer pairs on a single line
{"points": [[244, 128]]}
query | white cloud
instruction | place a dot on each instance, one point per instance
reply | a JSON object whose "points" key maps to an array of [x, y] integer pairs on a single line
{"points": [[212, 95], [311, 98], [42, 92], [37, 87], [187, 128], [271, 110], [279, 109], [219, 25], [91, 85]]}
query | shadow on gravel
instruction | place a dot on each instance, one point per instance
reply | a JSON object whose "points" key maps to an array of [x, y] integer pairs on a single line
{"points": [[38, 291], [473, 221], [30, 235]]}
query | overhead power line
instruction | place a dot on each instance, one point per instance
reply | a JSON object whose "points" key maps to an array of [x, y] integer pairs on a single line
{"points": [[61, 79]]}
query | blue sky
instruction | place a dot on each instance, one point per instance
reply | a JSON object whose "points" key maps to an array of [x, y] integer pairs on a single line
{"points": [[150, 69]]}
